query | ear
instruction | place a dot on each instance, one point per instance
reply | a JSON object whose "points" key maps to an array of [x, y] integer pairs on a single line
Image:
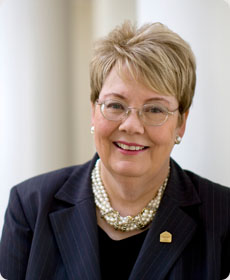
{"points": [[182, 124], [92, 113]]}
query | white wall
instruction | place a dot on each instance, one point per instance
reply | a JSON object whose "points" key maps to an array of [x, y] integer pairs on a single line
{"points": [[80, 52], [107, 14], [205, 24], [34, 96]]}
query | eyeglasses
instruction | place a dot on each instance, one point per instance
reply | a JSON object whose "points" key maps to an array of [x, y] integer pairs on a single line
{"points": [[152, 114]]}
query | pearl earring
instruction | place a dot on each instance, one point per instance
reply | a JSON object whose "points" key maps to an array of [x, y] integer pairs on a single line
{"points": [[178, 140], [92, 129]]}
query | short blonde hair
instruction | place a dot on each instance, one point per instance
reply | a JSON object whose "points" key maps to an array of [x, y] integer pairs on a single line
{"points": [[154, 55]]}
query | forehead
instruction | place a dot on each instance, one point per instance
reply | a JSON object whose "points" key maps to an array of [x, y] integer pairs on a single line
{"points": [[130, 89]]}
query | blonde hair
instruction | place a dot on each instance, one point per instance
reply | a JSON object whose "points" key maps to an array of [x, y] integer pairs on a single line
{"points": [[154, 55]]}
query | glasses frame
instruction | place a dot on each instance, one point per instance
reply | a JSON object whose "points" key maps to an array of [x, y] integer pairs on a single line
{"points": [[129, 109]]}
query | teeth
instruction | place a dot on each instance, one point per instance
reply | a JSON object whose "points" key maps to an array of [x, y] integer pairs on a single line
{"points": [[132, 148]]}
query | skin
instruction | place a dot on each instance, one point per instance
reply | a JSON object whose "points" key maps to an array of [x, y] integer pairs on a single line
{"points": [[132, 179]]}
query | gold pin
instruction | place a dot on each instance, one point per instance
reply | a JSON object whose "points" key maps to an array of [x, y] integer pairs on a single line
{"points": [[166, 237]]}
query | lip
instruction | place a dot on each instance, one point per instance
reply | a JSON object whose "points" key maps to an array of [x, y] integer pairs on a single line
{"points": [[130, 144], [130, 152]]}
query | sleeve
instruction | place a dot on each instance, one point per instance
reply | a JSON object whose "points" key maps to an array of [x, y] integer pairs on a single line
{"points": [[16, 240], [226, 258], [226, 241]]}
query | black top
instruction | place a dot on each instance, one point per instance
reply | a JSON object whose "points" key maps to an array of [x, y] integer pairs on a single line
{"points": [[117, 257]]}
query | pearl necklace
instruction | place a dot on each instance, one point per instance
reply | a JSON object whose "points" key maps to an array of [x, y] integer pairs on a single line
{"points": [[113, 217]]}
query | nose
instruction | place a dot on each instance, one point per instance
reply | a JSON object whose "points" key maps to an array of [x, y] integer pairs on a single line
{"points": [[132, 123]]}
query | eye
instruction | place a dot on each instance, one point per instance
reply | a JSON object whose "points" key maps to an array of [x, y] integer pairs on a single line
{"points": [[154, 109], [114, 105]]}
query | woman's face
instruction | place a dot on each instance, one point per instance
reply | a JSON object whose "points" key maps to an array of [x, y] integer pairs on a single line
{"points": [[157, 140]]}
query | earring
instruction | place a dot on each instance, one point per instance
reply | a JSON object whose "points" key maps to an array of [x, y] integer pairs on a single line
{"points": [[178, 140], [92, 129]]}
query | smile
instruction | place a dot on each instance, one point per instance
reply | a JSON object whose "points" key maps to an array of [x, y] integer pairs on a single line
{"points": [[130, 147]]}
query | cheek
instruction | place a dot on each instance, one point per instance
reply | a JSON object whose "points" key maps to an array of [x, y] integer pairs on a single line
{"points": [[163, 135], [104, 129], [100, 124], [103, 138]]}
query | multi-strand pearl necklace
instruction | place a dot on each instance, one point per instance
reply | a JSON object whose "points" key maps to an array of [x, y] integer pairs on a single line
{"points": [[113, 217]]}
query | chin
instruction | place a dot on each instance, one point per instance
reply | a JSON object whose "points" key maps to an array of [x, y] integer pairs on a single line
{"points": [[128, 169]]}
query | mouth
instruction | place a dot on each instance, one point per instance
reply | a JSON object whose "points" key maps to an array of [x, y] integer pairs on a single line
{"points": [[130, 147]]}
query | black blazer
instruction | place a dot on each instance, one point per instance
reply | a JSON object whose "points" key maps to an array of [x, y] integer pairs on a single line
{"points": [[50, 230]]}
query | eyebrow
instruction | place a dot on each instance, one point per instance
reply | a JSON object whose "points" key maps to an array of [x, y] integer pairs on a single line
{"points": [[157, 98]]}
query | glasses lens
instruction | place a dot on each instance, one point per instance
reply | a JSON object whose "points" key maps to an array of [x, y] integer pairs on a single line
{"points": [[154, 114], [113, 110]]}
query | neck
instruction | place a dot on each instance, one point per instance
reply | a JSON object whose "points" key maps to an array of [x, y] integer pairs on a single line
{"points": [[129, 195]]}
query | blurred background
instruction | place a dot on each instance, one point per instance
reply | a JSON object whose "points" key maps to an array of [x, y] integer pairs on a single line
{"points": [[45, 49]]}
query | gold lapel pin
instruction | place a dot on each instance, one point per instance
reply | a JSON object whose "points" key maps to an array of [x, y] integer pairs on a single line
{"points": [[166, 237]]}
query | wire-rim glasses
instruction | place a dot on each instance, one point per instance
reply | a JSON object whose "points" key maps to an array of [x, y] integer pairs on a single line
{"points": [[152, 114]]}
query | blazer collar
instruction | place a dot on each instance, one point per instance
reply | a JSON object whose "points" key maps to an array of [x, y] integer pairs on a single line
{"points": [[78, 187], [75, 226], [180, 187]]}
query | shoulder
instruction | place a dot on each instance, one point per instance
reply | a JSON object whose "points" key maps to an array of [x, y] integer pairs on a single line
{"points": [[201, 184], [207, 202], [206, 187], [49, 182], [214, 209], [38, 196], [190, 187], [40, 191]]}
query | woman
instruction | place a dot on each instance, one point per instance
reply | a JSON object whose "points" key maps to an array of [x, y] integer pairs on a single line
{"points": [[131, 212]]}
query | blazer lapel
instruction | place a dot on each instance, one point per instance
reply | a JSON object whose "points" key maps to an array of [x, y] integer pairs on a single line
{"points": [[156, 258], [75, 230], [75, 226]]}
